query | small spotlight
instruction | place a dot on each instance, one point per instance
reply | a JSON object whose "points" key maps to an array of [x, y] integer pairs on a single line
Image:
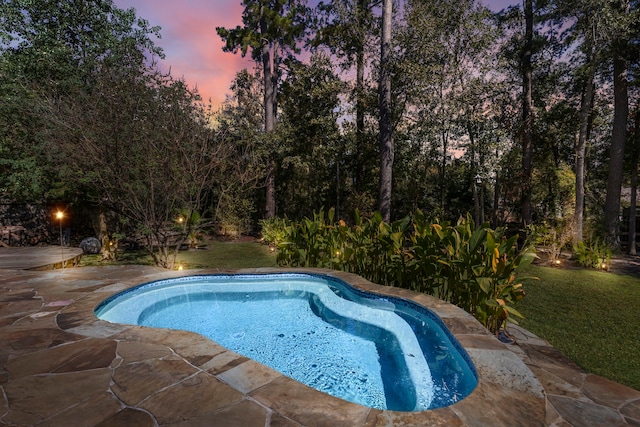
{"points": [[557, 261], [180, 267], [338, 253], [604, 266], [272, 248]]}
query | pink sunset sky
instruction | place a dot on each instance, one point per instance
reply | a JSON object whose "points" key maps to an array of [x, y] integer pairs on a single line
{"points": [[193, 49]]}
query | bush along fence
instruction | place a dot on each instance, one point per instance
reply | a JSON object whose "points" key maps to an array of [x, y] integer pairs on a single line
{"points": [[472, 267]]}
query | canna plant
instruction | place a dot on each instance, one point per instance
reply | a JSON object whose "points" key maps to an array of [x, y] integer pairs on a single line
{"points": [[472, 267]]}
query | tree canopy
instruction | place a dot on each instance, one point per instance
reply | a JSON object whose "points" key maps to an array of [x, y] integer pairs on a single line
{"points": [[527, 116]]}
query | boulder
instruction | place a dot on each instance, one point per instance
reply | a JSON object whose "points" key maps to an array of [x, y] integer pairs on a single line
{"points": [[90, 245]]}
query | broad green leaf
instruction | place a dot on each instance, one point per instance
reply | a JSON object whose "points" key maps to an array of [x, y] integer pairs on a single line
{"points": [[477, 238], [485, 284], [513, 311]]}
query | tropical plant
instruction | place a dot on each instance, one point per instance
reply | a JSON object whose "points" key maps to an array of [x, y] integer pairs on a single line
{"points": [[191, 225], [474, 268]]}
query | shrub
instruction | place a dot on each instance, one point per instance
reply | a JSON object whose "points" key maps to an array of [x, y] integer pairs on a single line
{"points": [[273, 230], [595, 254], [471, 267], [554, 238]]}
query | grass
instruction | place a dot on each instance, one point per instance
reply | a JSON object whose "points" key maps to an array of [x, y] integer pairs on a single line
{"points": [[593, 317], [229, 255], [218, 254]]}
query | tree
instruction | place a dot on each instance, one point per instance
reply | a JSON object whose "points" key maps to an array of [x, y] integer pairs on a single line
{"points": [[271, 28], [619, 48], [141, 143], [635, 155], [313, 162], [346, 27], [527, 112], [444, 90], [55, 49], [104, 121], [386, 130], [240, 123], [585, 32]]}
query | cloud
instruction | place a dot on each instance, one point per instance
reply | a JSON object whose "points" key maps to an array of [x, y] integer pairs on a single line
{"points": [[192, 47]]}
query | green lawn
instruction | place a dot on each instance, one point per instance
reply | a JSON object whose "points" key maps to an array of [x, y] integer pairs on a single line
{"points": [[218, 254], [229, 255], [593, 317]]}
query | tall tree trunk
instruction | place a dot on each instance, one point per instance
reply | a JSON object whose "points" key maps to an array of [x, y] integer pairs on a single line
{"points": [[496, 195], [360, 141], [527, 113], [444, 135], [634, 185], [616, 159], [581, 149], [475, 176], [106, 249], [386, 136], [270, 84]]}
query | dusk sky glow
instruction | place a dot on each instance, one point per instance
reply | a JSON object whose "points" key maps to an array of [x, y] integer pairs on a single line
{"points": [[192, 48]]}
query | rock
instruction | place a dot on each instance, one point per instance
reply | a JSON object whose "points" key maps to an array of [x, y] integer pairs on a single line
{"points": [[90, 245]]}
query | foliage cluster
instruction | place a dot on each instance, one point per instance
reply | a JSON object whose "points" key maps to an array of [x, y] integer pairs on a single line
{"points": [[554, 239], [91, 119], [472, 267], [274, 229], [592, 254]]}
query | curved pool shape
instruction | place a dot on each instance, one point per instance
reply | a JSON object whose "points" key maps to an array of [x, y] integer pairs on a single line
{"points": [[382, 352]]}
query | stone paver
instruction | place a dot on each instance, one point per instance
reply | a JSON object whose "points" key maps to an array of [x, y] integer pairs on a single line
{"points": [[60, 366], [39, 258], [575, 398]]}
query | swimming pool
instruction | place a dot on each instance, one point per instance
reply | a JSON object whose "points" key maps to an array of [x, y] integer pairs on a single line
{"points": [[382, 352]]}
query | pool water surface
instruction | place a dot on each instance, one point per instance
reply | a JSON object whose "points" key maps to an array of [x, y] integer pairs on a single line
{"points": [[381, 352]]}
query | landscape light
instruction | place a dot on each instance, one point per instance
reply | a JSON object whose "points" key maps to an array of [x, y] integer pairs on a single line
{"points": [[59, 216]]}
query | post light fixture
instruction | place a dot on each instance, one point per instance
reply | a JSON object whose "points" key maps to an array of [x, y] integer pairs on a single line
{"points": [[59, 216], [478, 179]]}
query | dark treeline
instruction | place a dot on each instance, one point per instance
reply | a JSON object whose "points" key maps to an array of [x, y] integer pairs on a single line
{"points": [[526, 117]]}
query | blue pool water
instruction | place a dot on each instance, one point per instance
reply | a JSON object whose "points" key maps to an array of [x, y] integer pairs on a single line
{"points": [[382, 352]]}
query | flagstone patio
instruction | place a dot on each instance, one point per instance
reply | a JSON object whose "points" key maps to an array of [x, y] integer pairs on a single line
{"points": [[60, 366]]}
